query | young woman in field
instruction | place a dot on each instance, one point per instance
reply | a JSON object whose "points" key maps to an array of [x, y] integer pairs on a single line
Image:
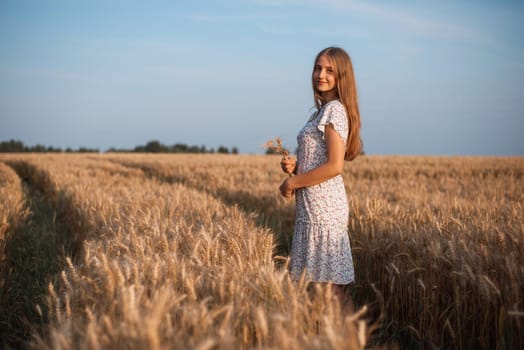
{"points": [[320, 246]]}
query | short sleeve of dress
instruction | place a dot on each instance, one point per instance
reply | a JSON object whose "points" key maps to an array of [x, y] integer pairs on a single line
{"points": [[334, 114]]}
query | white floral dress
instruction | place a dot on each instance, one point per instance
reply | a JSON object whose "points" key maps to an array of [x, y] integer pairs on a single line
{"points": [[320, 244]]}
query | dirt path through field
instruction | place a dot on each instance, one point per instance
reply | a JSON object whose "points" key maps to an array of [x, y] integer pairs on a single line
{"points": [[264, 209], [35, 252]]}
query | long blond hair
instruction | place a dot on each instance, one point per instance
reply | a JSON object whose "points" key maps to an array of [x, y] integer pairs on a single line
{"points": [[347, 94]]}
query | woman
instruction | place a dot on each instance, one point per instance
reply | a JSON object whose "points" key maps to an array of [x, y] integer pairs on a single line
{"points": [[320, 247]]}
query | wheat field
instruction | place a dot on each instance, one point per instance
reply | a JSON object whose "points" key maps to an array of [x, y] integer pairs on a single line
{"points": [[105, 251]]}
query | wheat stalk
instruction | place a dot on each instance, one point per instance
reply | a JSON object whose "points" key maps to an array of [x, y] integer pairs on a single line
{"points": [[276, 146], [166, 258]]}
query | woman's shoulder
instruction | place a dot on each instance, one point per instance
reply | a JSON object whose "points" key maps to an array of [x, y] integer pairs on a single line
{"points": [[335, 105], [334, 108]]}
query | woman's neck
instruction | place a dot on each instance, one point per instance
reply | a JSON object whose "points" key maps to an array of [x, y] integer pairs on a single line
{"points": [[328, 96]]}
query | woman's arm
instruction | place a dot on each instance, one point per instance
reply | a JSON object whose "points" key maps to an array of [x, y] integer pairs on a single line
{"points": [[331, 168]]}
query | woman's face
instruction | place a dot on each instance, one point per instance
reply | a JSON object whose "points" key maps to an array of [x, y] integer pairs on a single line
{"points": [[324, 75]]}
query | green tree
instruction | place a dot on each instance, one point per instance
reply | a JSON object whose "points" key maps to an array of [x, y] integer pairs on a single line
{"points": [[155, 147], [12, 146], [179, 148], [223, 149]]}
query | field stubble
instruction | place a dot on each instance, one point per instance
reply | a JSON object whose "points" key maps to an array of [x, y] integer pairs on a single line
{"points": [[187, 251]]}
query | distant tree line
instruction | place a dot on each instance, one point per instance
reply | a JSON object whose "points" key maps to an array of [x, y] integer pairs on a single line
{"points": [[156, 146], [150, 147], [18, 146]]}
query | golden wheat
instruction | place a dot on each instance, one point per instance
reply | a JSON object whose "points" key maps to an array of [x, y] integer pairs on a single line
{"points": [[276, 146], [185, 251], [12, 208], [165, 266], [11, 194]]}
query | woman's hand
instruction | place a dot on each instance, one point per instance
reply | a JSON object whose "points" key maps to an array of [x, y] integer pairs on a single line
{"points": [[287, 188], [288, 165]]}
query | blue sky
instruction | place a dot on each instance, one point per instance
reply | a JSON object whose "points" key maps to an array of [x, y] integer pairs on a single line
{"points": [[434, 77]]}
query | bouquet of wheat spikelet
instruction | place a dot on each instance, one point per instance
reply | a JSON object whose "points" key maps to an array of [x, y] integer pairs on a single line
{"points": [[277, 147]]}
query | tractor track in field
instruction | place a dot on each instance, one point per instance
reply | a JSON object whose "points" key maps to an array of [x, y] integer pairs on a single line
{"points": [[264, 209], [35, 252]]}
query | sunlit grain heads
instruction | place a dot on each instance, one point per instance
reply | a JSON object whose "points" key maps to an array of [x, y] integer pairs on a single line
{"points": [[177, 255]]}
